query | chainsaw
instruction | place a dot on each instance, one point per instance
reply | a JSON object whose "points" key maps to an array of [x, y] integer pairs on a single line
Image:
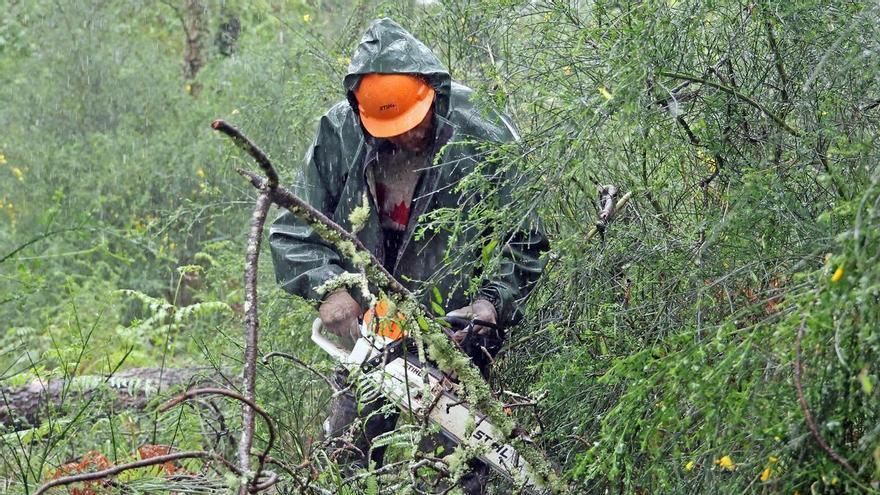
{"points": [[390, 367]]}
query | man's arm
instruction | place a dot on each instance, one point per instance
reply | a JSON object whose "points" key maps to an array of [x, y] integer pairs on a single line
{"points": [[521, 266], [303, 260]]}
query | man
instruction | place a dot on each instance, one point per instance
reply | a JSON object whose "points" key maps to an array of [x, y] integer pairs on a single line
{"points": [[401, 141]]}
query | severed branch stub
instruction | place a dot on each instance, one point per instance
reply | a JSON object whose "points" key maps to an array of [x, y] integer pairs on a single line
{"points": [[609, 204]]}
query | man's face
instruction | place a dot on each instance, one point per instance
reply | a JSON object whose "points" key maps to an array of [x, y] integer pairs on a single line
{"points": [[418, 138]]}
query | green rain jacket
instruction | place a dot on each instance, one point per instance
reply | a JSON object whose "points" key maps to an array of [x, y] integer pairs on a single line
{"points": [[338, 173]]}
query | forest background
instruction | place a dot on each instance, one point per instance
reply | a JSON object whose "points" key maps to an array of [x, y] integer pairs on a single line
{"points": [[667, 354]]}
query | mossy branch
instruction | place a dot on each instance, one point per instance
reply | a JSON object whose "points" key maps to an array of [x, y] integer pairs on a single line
{"points": [[331, 232]]}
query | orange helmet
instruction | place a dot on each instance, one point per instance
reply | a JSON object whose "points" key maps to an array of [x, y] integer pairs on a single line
{"points": [[391, 104]]}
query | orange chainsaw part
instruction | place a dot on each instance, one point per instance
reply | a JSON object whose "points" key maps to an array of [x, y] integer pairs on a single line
{"points": [[377, 319]]}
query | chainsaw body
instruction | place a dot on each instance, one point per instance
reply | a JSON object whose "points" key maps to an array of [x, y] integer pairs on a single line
{"points": [[382, 366]]}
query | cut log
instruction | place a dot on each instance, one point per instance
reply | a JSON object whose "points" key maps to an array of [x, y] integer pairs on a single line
{"points": [[26, 406]]}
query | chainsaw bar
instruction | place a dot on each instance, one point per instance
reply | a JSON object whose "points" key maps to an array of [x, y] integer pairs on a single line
{"points": [[400, 380]]}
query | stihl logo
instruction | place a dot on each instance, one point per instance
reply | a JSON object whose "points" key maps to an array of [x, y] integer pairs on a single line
{"points": [[387, 106], [499, 448]]}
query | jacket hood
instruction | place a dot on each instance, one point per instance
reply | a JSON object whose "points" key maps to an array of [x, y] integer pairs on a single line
{"points": [[387, 48]]}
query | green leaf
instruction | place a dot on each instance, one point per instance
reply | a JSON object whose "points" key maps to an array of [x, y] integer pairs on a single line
{"points": [[487, 250], [438, 310]]}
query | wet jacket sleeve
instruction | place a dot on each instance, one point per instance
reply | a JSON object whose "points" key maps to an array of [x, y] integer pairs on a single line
{"points": [[303, 260], [521, 261], [521, 266]]}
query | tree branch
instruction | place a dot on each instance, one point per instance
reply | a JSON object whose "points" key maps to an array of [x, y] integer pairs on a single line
{"points": [[250, 148], [777, 59], [685, 77], [252, 329], [113, 471], [286, 199], [808, 416]]}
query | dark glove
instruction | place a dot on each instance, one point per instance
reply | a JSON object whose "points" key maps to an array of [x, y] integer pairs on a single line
{"points": [[480, 309], [480, 342]]}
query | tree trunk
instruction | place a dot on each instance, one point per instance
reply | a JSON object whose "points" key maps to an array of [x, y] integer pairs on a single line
{"points": [[194, 52], [26, 406]]}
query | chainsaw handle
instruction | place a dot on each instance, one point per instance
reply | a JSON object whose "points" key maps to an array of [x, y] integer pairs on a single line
{"points": [[326, 344]]}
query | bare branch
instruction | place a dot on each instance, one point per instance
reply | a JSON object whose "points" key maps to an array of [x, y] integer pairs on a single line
{"points": [[252, 329], [113, 471], [286, 199], [248, 146]]}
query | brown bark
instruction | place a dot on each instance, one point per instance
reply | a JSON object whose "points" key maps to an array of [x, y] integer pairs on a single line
{"points": [[252, 330], [27, 406], [194, 51]]}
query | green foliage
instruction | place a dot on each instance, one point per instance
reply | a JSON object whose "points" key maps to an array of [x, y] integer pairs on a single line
{"points": [[664, 350]]}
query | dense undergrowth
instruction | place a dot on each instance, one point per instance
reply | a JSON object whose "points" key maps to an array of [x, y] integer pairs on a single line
{"points": [[665, 351]]}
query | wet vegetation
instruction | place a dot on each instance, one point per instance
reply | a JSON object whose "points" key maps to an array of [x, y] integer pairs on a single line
{"points": [[720, 335]]}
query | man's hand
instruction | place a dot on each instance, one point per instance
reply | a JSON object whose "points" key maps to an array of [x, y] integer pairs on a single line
{"points": [[339, 313], [480, 309]]}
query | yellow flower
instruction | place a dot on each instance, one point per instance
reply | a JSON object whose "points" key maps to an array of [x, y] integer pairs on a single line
{"points": [[18, 173], [2, 158], [773, 459], [765, 475], [838, 274], [726, 463], [689, 466], [706, 159], [605, 93], [200, 173], [188, 88], [565, 69], [307, 18]]}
